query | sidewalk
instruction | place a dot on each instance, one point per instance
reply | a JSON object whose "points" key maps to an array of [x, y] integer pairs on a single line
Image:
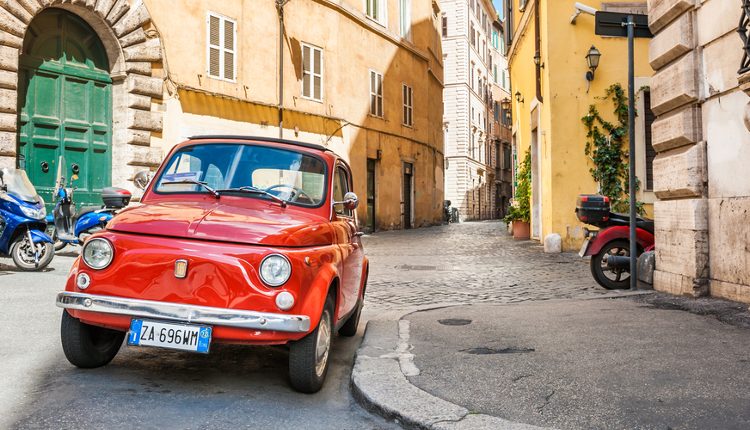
{"points": [[631, 362]]}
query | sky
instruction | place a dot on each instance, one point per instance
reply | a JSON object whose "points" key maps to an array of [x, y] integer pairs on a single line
{"points": [[498, 6]]}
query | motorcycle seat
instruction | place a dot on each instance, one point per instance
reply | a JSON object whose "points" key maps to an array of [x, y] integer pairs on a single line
{"points": [[624, 219], [87, 209]]}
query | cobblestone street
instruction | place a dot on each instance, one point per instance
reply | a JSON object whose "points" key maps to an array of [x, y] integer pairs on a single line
{"points": [[468, 263]]}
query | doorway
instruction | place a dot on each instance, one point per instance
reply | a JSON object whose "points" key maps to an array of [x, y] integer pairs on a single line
{"points": [[536, 187], [65, 106], [371, 164], [408, 194]]}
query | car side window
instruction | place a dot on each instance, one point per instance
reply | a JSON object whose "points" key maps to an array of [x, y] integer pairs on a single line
{"points": [[340, 188]]}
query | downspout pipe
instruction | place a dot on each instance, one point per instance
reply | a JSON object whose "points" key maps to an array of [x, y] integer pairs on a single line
{"points": [[280, 9]]}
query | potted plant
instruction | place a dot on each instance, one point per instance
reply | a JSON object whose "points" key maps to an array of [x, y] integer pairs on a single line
{"points": [[519, 213]]}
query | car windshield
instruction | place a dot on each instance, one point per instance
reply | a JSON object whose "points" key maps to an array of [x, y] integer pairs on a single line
{"points": [[247, 170], [18, 184]]}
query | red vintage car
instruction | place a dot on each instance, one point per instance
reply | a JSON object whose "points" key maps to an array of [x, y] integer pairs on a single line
{"points": [[238, 240]]}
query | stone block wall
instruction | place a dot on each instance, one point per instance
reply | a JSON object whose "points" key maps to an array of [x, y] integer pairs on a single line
{"points": [[703, 146]]}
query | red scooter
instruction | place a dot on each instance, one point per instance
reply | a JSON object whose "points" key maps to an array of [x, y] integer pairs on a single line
{"points": [[609, 247]]}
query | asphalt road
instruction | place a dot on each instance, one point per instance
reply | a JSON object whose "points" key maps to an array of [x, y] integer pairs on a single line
{"points": [[233, 387]]}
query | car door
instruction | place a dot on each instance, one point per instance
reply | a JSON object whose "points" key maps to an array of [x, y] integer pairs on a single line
{"points": [[345, 222]]}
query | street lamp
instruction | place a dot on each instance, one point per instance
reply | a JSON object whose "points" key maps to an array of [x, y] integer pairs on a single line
{"points": [[519, 97], [592, 59], [505, 106]]}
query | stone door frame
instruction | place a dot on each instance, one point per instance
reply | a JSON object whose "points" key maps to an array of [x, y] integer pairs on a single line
{"points": [[132, 46]]}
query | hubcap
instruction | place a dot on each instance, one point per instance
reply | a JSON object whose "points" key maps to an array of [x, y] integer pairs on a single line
{"points": [[323, 344], [27, 251]]}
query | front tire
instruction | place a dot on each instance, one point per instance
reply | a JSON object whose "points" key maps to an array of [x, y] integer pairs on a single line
{"points": [[608, 278], [88, 346], [309, 356], [22, 252]]}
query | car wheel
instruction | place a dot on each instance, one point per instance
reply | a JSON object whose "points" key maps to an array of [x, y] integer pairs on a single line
{"points": [[349, 328], [308, 357], [88, 346]]}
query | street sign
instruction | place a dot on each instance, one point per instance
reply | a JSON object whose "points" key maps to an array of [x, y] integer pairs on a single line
{"points": [[615, 24]]}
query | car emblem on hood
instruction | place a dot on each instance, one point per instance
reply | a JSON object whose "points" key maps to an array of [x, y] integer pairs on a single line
{"points": [[180, 269]]}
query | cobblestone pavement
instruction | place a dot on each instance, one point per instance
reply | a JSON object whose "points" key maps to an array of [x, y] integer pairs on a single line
{"points": [[468, 263]]}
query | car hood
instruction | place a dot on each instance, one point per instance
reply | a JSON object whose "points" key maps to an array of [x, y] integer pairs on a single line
{"points": [[265, 225]]}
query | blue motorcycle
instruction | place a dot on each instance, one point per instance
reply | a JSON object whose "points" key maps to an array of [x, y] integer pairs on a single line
{"points": [[22, 222], [69, 228]]}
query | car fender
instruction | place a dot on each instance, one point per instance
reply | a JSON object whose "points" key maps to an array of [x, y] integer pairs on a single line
{"points": [[317, 293], [603, 237]]}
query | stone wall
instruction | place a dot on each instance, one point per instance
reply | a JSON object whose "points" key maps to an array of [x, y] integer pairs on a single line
{"points": [[133, 48], [703, 146]]}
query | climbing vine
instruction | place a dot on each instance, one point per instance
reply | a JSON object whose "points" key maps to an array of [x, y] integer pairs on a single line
{"points": [[606, 144]]}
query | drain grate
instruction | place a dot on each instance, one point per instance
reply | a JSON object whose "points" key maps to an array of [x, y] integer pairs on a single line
{"points": [[483, 350], [454, 321], [415, 267]]}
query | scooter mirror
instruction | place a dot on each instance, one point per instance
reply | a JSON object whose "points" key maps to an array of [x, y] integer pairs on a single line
{"points": [[142, 179]]}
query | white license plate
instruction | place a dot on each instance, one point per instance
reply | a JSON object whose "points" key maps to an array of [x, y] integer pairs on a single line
{"points": [[584, 248], [186, 337]]}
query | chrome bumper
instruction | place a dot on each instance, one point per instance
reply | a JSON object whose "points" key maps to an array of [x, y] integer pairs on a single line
{"points": [[184, 313]]}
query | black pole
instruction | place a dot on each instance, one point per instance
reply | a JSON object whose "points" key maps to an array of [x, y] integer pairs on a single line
{"points": [[280, 9], [631, 153]]}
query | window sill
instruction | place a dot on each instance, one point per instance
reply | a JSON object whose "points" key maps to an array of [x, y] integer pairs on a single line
{"points": [[312, 99], [218, 78]]}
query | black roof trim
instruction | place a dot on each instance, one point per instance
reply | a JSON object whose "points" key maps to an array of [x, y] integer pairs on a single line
{"points": [[261, 139]]}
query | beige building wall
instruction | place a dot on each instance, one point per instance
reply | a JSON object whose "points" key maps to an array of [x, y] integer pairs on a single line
{"points": [[703, 144], [163, 93]]}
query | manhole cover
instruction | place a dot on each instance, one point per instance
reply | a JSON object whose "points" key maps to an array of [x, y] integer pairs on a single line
{"points": [[483, 350], [454, 321], [415, 267]]}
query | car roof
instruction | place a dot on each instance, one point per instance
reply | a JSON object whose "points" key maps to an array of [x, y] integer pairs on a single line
{"points": [[262, 139]]}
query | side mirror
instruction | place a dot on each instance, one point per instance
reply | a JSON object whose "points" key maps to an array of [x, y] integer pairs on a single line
{"points": [[142, 178], [351, 201]]}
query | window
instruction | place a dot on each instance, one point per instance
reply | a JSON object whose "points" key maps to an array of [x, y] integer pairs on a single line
{"points": [[340, 188], [473, 37], [404, 8], [496, 111], [222, 45], [471, 70], [408, 100], [376, 94], [507, 162], [312, 72], [445, 26], [377, 9], [494, 73], [495, 39]]}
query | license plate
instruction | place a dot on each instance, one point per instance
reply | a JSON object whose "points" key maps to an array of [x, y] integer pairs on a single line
{"points": [[584, 248], [185, 337]]}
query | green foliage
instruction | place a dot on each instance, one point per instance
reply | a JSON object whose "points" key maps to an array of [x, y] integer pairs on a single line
{"points": [[520, 210], [606, 146]]}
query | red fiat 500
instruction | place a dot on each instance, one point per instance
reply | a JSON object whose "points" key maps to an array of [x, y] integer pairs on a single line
{"points": [[237, 240]]}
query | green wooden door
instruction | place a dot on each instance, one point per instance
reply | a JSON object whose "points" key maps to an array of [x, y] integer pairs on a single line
{"points": [[65, 106]]}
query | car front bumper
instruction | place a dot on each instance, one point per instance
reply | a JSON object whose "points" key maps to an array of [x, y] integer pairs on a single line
{"points": [[184, 313]]}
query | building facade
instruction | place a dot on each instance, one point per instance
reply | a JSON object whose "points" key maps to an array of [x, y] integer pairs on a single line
{"points": [[548, 44], [467, 98], [112, 85], [501, 158], [703, 142]]}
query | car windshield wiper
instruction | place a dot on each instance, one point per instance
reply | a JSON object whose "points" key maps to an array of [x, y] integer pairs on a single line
{"points": [[194, 182], [255, 190]]}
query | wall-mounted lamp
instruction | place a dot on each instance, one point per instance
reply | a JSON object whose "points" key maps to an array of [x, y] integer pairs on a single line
{"points": [[505, 104], [592, 59], [538, 60], [519, 97]]}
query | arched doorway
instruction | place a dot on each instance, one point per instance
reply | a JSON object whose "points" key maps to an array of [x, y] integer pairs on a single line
{"points": [[65, 106]]}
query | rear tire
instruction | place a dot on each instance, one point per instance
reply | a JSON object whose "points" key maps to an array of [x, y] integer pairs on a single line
{"points": [[20, 252], [349, 328], [602, 275], [87, 346], [309, 356]]}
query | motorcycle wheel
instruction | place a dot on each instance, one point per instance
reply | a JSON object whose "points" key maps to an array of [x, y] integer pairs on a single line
{"points": [[609, 278], [52, 232], [22, 253]]}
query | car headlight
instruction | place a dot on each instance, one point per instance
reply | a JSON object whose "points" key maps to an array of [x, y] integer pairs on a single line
{"points": [[98, 253], [275, 270], [35, 213]]}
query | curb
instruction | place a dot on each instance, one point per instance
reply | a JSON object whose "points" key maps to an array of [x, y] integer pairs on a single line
{"points": [[379, 383]]}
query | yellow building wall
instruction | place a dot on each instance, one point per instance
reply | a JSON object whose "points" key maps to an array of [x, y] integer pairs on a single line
{"points": [[352, 44], [564, 166]]}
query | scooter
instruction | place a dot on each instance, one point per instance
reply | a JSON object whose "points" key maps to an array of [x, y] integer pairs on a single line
{"points": [[22, 222], [609, 247], [69, 228]]}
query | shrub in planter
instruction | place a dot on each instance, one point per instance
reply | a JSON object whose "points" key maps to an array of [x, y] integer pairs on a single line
{"points": [[520, 210]]}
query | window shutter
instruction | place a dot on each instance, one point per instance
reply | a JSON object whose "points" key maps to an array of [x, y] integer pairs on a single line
{"points": [[229, 50], [214, 52]]}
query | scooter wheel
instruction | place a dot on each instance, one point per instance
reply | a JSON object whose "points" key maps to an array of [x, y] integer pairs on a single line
{"points": [[23, 256], [608, 278]]}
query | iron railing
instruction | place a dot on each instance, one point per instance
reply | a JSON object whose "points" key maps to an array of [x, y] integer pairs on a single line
{"points": [[744, 31]]}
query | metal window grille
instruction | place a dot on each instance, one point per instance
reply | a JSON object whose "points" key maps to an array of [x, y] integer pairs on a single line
{"points": [[744, 32]]}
